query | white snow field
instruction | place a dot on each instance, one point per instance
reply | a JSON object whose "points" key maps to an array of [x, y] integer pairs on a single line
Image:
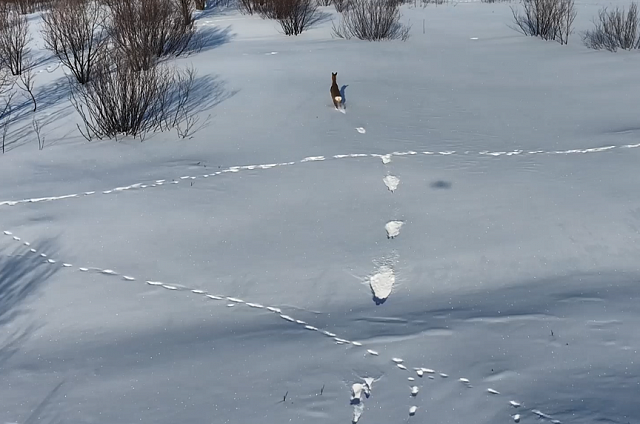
{"points": [[231, 277]]}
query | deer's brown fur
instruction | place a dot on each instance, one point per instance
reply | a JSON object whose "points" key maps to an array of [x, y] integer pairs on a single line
{"points": [[335, 91]]}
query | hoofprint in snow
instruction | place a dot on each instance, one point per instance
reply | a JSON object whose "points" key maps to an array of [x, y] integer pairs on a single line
{"points": [[382, 283], [442, 130], [386, 158], [393, 228], [392, 182]]}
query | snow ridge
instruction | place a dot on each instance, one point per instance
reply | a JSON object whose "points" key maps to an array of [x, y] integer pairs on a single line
{"points": [[386, 158]]}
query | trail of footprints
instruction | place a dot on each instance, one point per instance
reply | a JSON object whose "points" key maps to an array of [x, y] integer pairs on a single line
{"points": [[386, 158], [382, 282], [359, 390]]}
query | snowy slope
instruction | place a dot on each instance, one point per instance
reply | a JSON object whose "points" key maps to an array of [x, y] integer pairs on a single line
{"points": [[492, 196]]}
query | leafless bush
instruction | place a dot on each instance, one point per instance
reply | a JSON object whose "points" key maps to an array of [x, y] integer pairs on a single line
{"points": [[247, 6], [200, 4], [372, 20], [122, 101], [341, 5], [426, 3], [324, 3], [144, 31], [294, 16], [14, 38], [28, 6], [75, 31], [618, 29], [547, 19], [185, 9]]}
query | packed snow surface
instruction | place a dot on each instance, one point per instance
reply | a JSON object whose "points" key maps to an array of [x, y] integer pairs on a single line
{"points": [[243, 274]]}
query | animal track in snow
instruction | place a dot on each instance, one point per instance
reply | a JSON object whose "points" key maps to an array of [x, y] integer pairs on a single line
{"points": [[385, 158], [360, 391], [236, 301], [391, 181], [361, 130], [382, 283], [393, 228]]}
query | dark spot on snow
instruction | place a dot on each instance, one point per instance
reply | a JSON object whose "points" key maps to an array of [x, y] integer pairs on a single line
{"points": [[441, 184]]}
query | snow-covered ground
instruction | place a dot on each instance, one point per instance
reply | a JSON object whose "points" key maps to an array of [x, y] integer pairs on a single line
{"points": [[461, 246]]}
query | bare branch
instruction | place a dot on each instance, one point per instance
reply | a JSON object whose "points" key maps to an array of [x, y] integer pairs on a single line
{"points": [[14, 38], [75, 31]]}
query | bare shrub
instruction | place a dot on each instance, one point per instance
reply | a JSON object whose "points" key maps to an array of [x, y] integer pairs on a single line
{"points": [[144, 31], [323, 3], [618, 29], [372, 20], [547, 19], [425, 3], [28, 6], [247, 6], [341, 5], [294, 16], [185, 9], [263, 8], [75, 31], [200, 4], [122, 101], [14, 39]]}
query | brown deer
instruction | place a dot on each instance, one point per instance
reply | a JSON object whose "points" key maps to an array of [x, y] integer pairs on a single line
{"points": [[335, 91]]}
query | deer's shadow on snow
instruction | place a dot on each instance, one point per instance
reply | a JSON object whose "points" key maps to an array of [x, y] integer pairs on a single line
{"points": [[378, 301], [343, 94]]}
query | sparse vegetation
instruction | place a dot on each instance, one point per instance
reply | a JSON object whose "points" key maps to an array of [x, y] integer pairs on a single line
{"points": [[14, 38], [251, 7], [341, 5], [616, 29], [426, 3], [75, 31], [120, 100], [547, 19], [372, 20], [294, 16], [27, 6], [143, 31]]}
